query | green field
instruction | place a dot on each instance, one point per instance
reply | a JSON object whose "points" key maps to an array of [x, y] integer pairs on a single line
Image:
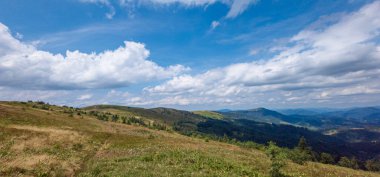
{"points": [[209, 114]]}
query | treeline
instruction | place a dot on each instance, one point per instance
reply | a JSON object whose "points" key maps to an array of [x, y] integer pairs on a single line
{"points": [[40, 105], [303, 153], [130, 120], [104, 116], [326, 149]]}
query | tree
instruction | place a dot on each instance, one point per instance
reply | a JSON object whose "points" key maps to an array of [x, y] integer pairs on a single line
{"points": [[302, 152], [277, 159], [372, 165], [344, 162], [349, 163], [225, 138], [327, 158], [302, 144], [354, 163], [124, 120]]}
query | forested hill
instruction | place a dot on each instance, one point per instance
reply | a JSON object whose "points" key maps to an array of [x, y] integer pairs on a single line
{"points": [[258, 125]]}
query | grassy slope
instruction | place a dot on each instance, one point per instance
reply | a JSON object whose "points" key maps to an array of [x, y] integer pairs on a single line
{"points": [[209, 114], [34, 142], [162, 115]]}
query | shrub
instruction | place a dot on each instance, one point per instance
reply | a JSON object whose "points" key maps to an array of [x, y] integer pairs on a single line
{"points": [[326, 158], [114, 118], [349, 163], [299, 156], [158, 126], [77, 146], [276, 156], [40, 102], [302, 152], [372, 165]]}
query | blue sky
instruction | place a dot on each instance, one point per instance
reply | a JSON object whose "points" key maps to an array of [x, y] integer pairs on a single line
{"points": [[191, 54]]}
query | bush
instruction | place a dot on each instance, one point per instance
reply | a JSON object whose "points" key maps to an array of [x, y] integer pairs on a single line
{"points": [[45, 107], [158, 126], [77, 146], [372, 165], [349, 163], [250, 144], [277, 158], [302, 152], [326, 158], [40, 102], [114, 118], [300, 157]]}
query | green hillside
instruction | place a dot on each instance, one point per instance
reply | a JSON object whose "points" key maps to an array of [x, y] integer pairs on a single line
{"points": [[44, 140], [209, 114], [201, 125], [165, 116]]}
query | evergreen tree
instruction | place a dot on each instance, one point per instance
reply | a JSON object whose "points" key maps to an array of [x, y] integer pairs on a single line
{"points": [[225, 138], [302, 144], [327, 158], [277, 159], [302, 152]]}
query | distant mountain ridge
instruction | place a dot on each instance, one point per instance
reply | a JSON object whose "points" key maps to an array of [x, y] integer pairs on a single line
{"points": [[259, 125], [257, 114], [314, 118]]}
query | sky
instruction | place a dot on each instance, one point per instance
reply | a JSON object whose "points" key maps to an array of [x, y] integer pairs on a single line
{"points": [[191, 54]]}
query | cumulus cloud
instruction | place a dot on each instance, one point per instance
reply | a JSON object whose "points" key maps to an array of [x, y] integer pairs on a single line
{"points": [[24, 95], [177, 101], [24, 66], [341, 55]]}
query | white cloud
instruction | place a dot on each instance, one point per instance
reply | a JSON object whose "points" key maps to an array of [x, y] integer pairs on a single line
{"points": [[214, 24], [176, 100], [237, 7], [184, 2], [24, 95], [85, 97], [24, 66], [19, 36], [106, 3], [253, 52], [354, 90], [340, 55], [117, 94]]}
